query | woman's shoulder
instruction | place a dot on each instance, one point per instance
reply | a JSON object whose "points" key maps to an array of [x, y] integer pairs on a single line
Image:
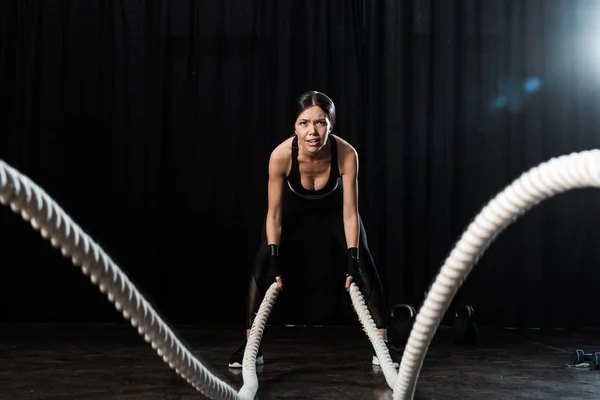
{"points": [[344, 147], [284, 148], [282, 153]]}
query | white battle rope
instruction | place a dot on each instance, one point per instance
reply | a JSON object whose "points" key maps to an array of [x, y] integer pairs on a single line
{"points": [[44, 214], [248, 391], [381, 350], [573, 171]]}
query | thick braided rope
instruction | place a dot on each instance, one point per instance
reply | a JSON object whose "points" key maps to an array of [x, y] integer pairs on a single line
{"points": [[381, 350], [573, 171], [45, 215], [578, 170], [248, 391]]}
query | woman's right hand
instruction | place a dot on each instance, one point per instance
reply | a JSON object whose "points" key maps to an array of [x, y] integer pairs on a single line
{"points": [[279, 282]]}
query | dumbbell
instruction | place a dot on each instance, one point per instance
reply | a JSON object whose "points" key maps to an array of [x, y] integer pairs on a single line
{"points": [[594, 358], [464, 327], [402, 318]]}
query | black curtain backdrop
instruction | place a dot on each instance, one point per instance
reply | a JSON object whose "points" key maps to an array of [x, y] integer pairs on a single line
{"points": [[151, 123]]}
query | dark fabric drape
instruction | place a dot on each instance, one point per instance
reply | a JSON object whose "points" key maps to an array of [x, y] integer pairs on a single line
{"points": [[152, 123]]}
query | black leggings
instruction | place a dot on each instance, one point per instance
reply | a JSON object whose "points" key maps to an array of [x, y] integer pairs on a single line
{"points": [[313, 253]]}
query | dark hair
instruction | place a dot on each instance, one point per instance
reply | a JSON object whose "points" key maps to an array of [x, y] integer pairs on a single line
{"points": [[315, 98]]}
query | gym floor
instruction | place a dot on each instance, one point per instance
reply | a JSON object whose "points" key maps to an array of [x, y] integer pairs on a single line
{"points": [[114, 362]]}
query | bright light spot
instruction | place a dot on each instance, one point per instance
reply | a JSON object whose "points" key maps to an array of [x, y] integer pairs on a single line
{"points": [[532, 84]]}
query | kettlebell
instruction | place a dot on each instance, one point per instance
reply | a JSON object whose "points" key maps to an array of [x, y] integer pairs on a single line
{"points": [[464, 327], [402, 318]]}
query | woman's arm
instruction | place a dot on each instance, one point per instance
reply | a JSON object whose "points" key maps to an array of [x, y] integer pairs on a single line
{"points": [[349, 173], [277, 168]]}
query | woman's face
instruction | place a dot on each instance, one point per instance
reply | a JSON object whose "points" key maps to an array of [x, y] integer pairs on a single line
{"points": [[312, 128]]}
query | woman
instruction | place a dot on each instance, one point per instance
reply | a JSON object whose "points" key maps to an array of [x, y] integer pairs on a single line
{"points": [[313, 211]]}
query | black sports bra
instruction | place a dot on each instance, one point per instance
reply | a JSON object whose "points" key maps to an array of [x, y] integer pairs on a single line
{"points": [[294, 177]]}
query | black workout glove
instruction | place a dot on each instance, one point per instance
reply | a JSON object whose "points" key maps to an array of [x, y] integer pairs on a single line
{"points": [[353, 267], [272, 264]]}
